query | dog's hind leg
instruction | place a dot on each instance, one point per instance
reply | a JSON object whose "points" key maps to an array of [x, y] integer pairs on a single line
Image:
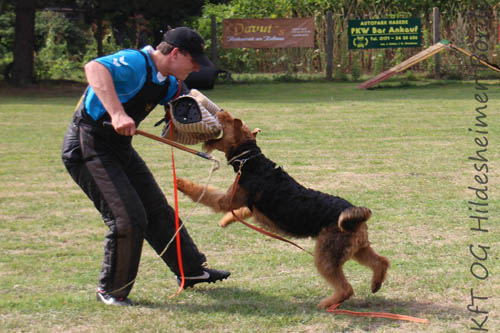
{"points": [[243, 213], [329, 258], [343, 289], [379, 265]]}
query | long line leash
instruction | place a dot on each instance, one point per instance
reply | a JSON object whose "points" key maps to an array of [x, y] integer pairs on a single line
{"points": [[215, 166], [177, 235], [178, 227], [333, 309]]}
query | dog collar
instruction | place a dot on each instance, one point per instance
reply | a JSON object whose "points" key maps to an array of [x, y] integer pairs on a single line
{"points": [[235, 158], [240, 160]]}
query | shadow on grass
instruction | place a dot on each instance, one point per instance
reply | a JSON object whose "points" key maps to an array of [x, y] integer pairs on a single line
{"points": [[404, 84], [251, 303], [242, 301]]}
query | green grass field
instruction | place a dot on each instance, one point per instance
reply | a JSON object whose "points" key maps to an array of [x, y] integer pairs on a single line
{"points": [[401, 151]]}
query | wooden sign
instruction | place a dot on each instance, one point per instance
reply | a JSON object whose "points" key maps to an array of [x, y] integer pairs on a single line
{"points": [[268, 33]]}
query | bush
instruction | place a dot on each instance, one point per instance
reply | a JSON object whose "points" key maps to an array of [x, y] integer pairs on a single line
{"points": [[61, 47], [108, 46], [6, 42], [379, 62], [356, 68], [6, 34], [60, 56]]}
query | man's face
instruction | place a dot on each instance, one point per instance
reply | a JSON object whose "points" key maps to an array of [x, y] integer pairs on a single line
{"points": [[184, 64]]}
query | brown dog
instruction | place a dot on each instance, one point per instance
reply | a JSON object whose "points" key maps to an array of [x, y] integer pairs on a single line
{"points": [[279, 203]]}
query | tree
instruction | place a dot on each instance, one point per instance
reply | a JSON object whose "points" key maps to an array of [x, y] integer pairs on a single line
{"points": [[98, 11], [127, 17], [24, 40], [175, 14], [24, 43]]}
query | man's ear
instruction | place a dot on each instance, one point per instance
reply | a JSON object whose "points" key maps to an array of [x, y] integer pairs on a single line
{"points": [[255, 132], [175, 51]]}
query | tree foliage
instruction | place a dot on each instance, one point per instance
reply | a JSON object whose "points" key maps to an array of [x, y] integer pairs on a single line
{"points": [[7, 19], [135, 23]]}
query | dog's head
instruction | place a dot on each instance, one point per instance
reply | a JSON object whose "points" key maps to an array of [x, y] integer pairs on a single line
{"points": [[234, 134]]}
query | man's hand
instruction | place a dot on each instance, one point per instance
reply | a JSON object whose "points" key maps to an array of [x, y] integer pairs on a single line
{"points": [[123, 124]]}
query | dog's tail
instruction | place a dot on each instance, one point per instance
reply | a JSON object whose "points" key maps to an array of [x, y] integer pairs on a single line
{"points": [[351, 218]]}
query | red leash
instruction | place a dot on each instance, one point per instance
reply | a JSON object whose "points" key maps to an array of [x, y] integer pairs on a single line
{"points": [[177, 236], [251, 226], [333, 309]]}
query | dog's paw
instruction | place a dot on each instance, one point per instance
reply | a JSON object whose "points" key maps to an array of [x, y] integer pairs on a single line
{"points": [[376, 286], [328, 302], [223, 224], [226, 220], [183, 185], [380, 274], [324, 304], [336, 298]]}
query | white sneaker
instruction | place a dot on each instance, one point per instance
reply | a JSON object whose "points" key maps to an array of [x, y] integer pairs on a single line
{"points": [[112, 300]]}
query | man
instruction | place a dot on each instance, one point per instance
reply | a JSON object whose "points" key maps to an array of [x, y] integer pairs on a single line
{"points": [[123, 88]]}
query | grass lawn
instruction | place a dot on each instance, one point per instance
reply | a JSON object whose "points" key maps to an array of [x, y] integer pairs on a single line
{"points": [[401, 151]]}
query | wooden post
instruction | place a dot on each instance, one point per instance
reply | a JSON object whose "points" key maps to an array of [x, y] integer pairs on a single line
{"points": [[215, 55], [329, 45], [436, 39]]}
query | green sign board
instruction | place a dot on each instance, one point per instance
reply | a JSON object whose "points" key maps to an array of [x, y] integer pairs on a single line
{"points": [[384, 33]]}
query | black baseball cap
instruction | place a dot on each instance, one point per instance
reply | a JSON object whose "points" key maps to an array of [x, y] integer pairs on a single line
{"points": [[187, 39]]}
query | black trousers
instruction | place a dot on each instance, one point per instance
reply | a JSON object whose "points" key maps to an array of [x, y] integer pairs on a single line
{"points": [[132, 205]]}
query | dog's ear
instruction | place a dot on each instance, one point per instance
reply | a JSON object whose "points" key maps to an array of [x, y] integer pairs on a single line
{"points": [[238, 124], [238, 134], [255, 132]]}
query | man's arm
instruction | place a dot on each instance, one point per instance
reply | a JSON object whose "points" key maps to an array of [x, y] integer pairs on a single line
{"points": [[99, 78]]}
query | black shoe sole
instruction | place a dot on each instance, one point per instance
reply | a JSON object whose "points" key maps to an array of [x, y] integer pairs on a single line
{"points": [[192, 283]]}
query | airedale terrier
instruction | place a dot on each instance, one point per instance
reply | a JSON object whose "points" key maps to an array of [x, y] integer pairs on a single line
{"points": [[282, 205]]}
